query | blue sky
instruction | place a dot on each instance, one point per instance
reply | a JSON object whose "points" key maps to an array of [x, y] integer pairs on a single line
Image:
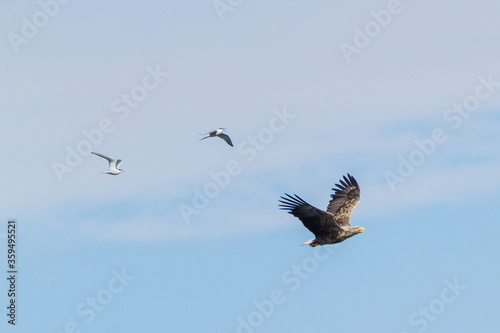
{"points": [[412, 114]]}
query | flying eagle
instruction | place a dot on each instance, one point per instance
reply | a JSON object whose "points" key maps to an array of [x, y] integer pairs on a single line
{"points": [[332, 226], [219, 133]]}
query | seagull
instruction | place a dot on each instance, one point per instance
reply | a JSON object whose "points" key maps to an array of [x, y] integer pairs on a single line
{"points": [[220, 134], [332, 226], [113, 165]]}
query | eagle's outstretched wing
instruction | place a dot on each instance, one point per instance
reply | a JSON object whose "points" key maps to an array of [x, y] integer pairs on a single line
{"points": [[345, 199], [314, 219]]}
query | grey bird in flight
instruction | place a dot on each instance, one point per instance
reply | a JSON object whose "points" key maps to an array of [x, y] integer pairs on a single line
{"points": [[219, 133]]}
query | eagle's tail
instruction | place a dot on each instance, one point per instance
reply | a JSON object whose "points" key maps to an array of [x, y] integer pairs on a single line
{"points": [[311, 242]]}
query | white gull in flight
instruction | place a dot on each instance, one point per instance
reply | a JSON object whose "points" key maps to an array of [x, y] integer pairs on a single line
{"points": [[113, 165], [220, 134]]}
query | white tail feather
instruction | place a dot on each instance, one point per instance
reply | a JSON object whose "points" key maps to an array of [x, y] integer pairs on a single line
{"points": [[308, 242]]}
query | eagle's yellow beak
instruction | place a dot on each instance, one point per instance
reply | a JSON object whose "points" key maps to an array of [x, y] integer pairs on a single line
{"points": [[361, 229]]}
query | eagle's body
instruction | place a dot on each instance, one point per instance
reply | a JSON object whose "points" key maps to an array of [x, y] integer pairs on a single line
{"points": [[332, 226]]}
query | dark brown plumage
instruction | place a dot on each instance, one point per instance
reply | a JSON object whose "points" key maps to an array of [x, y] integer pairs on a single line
{"points": [[332, 226]]}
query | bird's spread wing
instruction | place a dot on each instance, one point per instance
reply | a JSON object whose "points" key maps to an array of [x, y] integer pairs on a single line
{"points": [[118, 162], [314, 219], [110, 159], [345, 199], [226, 138]]}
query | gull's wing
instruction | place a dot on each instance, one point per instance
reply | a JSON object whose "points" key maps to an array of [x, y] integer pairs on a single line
{"points": [[118, 162], [226, 138], [204, 137], [110, 159], [345, 199], [317, 221]]}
